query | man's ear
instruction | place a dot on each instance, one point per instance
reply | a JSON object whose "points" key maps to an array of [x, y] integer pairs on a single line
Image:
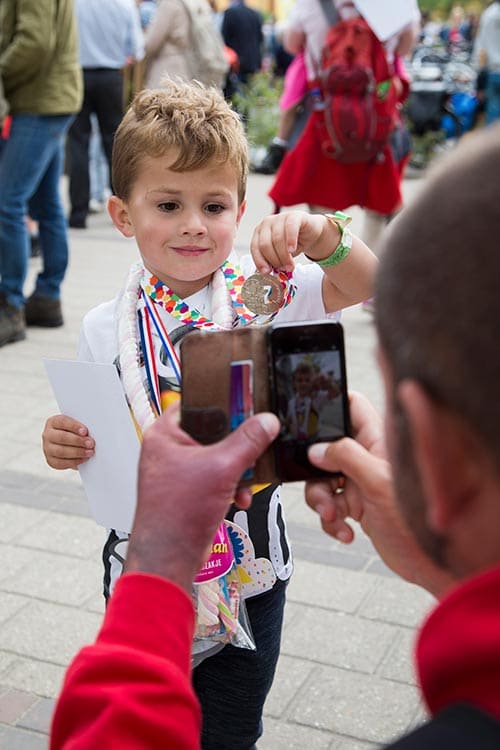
{"points": [[118, 212], [445, 453]]}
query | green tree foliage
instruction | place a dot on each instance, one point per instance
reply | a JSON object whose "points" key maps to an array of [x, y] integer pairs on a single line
{"points": [[442, 8]]}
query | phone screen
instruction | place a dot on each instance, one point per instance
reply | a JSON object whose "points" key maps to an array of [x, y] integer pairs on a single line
{"points": [[308, 391]]}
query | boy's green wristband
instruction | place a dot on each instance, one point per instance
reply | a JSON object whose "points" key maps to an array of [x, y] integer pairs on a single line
{"points": [[341, 220]]}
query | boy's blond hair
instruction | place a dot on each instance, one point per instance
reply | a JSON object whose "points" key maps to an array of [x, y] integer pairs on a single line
{"points": [[187, 118]]}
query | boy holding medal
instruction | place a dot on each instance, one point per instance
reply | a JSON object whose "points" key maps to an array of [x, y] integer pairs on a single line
{"points": [[180, 166]]}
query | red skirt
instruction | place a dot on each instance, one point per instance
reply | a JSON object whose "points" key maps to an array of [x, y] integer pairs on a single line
{"points": [[307, 175]]}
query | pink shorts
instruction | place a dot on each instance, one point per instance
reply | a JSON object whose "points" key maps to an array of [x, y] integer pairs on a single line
{"points": [[295, 86]]}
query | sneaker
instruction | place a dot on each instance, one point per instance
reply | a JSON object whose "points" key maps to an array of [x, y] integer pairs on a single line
{"points": [[272, 160], [96, 206], [43, 312], [12, 325]]}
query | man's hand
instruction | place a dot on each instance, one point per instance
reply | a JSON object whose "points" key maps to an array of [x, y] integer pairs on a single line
{"points": [[367, 496], [185, 490]]}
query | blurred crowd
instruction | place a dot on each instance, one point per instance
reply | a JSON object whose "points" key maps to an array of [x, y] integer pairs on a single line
{"points": [[448, 76]]}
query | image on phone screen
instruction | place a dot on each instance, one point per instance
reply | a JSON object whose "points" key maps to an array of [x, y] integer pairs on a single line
{"points": [[309, 392]]}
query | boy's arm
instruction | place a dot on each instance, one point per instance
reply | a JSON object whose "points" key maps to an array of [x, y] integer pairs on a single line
{"points": [[279, 238], [66, 443]]}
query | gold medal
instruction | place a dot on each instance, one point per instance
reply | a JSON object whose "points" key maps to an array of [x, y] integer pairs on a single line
{"points": [[262, 294]]}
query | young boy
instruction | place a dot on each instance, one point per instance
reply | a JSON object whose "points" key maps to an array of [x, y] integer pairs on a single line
{"points": [[180, 167]]}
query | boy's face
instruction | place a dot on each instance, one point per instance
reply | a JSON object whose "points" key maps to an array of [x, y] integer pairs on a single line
{"points": [[184, 222], [302, 381]]}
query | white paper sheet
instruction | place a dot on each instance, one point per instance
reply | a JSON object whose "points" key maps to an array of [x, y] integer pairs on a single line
{"points": [[92, 393], [387, 17]]}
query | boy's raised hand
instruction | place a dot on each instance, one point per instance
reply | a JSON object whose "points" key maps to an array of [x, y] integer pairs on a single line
{"points": [[279, 238], [66, 443]]}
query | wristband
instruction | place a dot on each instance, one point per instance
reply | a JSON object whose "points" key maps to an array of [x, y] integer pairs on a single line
{"points": [[340, 253]]}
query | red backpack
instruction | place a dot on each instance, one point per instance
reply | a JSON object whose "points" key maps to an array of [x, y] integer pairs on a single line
{"points": [[359, 102]]}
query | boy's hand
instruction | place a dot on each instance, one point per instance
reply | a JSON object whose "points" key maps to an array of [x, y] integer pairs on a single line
{"points": [[281, 237], [66, 443]]}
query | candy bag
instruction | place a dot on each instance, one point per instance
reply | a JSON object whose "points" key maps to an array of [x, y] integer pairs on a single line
{"points": [[220, 611]]}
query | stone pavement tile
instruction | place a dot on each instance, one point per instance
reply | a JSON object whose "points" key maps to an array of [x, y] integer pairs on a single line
{"points": [[293, 612], [68, 535], [12, 561], [6, 661], [95, 604], [12, 738], [314, 545], [72, 505], [338, 639], [62, 485], [18, 481], [39, 716], [34, 676], [281, 736], [397, 601], [291, 673], [49, 632], [15, 492], [349, 744], [56, 578], [13, 704], [10, 604], [379, 568], [30, 459], [329, 587], [17, 520], [360, 706], [398, 664]]}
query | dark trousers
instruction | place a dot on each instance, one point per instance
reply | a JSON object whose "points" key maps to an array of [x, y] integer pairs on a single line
{"points": [[232, 686], [103, 96]]}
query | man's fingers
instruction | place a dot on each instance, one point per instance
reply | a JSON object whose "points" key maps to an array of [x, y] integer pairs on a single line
{"points": [[354, 461], [332, 509], [366, 422]]}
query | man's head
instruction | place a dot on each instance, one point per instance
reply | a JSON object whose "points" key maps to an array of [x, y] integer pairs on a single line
{"points": [[438, 313], [193, 123]]}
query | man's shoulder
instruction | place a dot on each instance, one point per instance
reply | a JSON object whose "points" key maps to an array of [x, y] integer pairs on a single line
{"points": [[460, 727]]}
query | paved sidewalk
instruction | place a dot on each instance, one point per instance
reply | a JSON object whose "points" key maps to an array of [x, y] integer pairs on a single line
{"points": [[345, 679]]}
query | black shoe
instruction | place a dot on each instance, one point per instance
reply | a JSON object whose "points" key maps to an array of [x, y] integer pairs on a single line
{"points": [[272, 160], [76, 223], [12, 325], [35, 246], [43, 312]]}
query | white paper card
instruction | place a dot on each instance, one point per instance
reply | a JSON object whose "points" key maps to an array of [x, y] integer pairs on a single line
{"points": [[92, 394], [387, 17]]}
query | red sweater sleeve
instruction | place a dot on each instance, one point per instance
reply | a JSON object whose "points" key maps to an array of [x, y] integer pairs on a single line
{"points": [[132, 688]]}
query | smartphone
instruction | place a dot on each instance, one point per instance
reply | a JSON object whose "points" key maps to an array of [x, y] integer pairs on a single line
{"points": [[308, 391]]}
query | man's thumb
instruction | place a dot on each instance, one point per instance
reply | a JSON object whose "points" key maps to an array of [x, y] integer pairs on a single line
{"points": [[251, 439]]}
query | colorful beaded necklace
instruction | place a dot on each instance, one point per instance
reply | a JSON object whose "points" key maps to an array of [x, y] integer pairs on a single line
{"points": [[135, 323]]}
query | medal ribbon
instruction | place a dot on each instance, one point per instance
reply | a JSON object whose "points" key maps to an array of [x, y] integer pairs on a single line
{"points": [[234, 279], [151, 313]]}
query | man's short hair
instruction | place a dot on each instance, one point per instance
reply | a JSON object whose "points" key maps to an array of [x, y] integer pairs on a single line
{"points": [[438, 287], [192, 121]]}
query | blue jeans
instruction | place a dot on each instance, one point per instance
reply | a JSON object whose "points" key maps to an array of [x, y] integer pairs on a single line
{"points": [[30, 170], [492, 94], [232, 686]]}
